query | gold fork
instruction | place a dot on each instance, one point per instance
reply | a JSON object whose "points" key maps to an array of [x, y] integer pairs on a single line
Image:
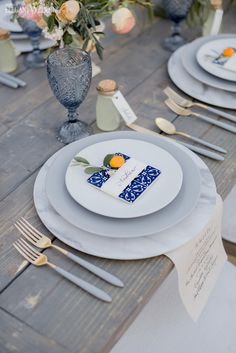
{"points": [[186, 103], [187, 112], [42, 241], [38, 259]]}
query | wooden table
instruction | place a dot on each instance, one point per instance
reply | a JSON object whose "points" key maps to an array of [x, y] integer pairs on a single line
{"points": [[40, 311]]}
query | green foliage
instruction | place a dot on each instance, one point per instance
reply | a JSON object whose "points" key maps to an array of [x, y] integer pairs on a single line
{"points": [[198, 13], [107, 159], [91, 170], [81, 160]]}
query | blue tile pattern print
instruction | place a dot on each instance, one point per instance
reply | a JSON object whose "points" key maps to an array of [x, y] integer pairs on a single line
{"points": [[135, 188]]}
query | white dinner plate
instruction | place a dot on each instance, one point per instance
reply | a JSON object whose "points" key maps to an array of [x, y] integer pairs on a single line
{"points": [[18, 35], [189, 61], [91, 222], [162, 191], [25, 46], [195, 88], [6, 21], [213, 49], [130, 248]]}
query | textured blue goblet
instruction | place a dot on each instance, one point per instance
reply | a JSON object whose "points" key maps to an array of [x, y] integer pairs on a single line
{"points": [[35, 58], [177, 11], [69, 74]]}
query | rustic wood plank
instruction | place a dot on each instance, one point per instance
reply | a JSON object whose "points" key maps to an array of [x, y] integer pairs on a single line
{"points": [[62, 312], [28, 138], [17, 204], [15, 336]]}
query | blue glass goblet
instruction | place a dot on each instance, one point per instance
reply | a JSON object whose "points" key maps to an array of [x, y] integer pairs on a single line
{"points": [[69, 74], [35, 58], [177, 11]]}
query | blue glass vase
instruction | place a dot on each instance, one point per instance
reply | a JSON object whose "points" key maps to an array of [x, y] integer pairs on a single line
{"points": [[69, 74], [177, 11]]}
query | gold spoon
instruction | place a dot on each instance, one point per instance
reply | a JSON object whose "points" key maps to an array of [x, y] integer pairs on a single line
{"points": [[169, 128]]}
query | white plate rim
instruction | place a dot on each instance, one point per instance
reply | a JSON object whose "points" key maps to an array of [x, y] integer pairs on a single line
{"points": [[107, 204], [211, 68], [120, 231], [203, 98], [86, 242], [195, 69]]}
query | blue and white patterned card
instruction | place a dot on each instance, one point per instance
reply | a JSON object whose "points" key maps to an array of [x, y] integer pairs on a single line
{"points": [[129, 182]]}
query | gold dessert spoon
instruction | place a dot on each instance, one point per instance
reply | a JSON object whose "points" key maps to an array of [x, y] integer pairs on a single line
{"points": [[169, 128]]}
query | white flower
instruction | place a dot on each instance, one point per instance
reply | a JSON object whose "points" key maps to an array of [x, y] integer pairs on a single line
{"points": [[48, 10], [56, 34]]}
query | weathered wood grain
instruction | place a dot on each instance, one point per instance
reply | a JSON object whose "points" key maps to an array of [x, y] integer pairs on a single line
{"points": [[17, 337], [29, 121], [19, 203], [75, 319]]}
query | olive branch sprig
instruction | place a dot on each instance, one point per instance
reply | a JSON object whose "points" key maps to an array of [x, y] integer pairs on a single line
{"points": [[90, 169]]}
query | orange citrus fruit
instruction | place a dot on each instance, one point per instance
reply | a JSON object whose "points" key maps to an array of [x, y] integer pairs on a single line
{"points": [[228, 52], [117, 162]]}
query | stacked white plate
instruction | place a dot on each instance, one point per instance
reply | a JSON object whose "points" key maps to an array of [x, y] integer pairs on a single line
{"points": [[19, 38], [191, 68], [166, 216]]}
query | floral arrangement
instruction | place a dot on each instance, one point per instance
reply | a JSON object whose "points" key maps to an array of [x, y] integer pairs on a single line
{"points": [[74, 20], [200, 10]]}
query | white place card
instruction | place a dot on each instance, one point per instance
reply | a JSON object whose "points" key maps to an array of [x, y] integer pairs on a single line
{"points": [[199, 264], [124, 108], [123, 177]]}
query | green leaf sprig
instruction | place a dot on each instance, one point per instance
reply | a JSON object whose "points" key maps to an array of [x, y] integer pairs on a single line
{"points": [[90, 169]]}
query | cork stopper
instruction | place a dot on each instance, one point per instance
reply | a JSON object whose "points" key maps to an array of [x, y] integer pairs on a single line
{"points": [[3, 34], [107, 87], [216, 4]]}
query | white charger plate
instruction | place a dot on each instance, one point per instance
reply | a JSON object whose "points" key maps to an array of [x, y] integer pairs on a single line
{"points": [[91, 222], [25, 46], [162, 191], [195, 88], [189, 62], [213, 49], [129, 249]]}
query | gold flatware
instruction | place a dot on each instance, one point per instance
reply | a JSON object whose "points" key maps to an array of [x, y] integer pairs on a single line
{"points": [[186, 103], [187, 112], [38, 259], [42, 241], [169, 128]]}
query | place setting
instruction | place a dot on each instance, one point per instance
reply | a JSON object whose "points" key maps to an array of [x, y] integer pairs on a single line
{"points": [[205, 69]]}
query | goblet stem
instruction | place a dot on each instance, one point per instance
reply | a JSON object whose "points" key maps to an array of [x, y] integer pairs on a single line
{"points": [[73, 129], [35, 44], [72, 115], [175, 40], [176, 29]]}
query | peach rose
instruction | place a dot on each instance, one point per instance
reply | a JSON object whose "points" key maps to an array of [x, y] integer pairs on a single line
{"points": [[123, 21], [41, 23], [68, 11]]}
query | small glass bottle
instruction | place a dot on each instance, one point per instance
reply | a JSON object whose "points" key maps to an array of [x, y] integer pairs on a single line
{"points": [[8, 56], [107, 116]]}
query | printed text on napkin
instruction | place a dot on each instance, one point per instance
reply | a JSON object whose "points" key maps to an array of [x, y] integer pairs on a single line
{"points": [[199, 264]]}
